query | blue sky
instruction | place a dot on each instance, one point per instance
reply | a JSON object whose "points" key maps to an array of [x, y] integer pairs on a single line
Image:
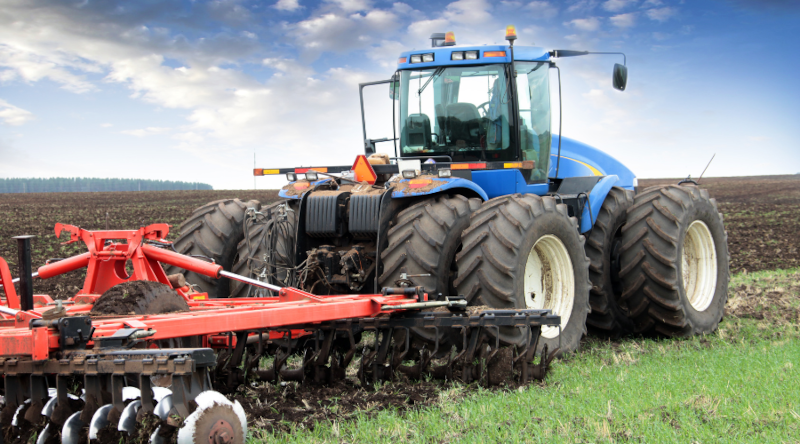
{"points": [[191, 90]]}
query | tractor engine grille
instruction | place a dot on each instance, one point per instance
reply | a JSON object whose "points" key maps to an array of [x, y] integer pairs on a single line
{"points": [[364, 212], [325, 212]]}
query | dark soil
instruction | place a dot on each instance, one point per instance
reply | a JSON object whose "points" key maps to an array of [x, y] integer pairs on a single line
{"points": [[279, 409], [762, 217]]}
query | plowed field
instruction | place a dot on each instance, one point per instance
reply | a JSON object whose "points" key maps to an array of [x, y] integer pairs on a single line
{"points": [[762, 217]]}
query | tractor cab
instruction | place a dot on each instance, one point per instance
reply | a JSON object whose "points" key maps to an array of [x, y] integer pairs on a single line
{"points": [[471, 103]]}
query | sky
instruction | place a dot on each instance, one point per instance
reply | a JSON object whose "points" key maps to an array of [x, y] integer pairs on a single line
{"points": [[193, 90]]}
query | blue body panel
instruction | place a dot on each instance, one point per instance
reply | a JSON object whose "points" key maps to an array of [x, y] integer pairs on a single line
{"points": [[596, 198], [441, 56], [452, 183], [579, 159], [284, 192], [502, 182]]}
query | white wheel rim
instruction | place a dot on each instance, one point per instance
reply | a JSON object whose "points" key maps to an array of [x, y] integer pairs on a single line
{"points": [[550, 280], [699, 266]]}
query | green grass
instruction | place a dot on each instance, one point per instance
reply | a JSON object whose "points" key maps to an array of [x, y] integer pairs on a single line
{"points": [[737, 385]]}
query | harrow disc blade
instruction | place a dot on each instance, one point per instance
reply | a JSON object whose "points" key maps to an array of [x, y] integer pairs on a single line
{"points": [[127, 420], [99, 420], [129, 393], [163, 407], [49, 406], [216, 419], [159, 393], [71, 432], [15, 419], [45, 434]]}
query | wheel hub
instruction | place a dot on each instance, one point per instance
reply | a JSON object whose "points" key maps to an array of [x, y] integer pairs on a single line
{"points": [[550, 280], [221, 433]]}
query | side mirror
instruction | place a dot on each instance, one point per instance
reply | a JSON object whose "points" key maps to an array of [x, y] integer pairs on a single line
{"points": [[620, 76]]}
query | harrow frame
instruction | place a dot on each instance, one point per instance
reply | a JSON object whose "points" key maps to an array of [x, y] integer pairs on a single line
{"points": [[56, 341]]}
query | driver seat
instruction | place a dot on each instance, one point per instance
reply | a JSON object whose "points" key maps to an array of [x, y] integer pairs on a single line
{"points": [[463, 123]]}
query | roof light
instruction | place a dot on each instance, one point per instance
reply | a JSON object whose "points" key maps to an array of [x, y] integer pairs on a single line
{"points": [[402, 60], [450, 38], [472, 55], [457, 55], [291, 177], [363, 170], [511, 32], [409, 174], [312, 176], [416, 58], [494, 53], [427, 57]]}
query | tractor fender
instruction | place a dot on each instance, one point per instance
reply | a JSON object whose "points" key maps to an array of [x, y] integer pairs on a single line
{"points": [[290, 192], [596, 198], [403, 188]]}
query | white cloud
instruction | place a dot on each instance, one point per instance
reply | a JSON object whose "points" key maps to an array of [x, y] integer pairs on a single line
{"points": [[106, 125], [352, 5], [661, 36], [617, 5], [12, 115], [340, 33], [582, 6], [624, 20], [149, 131], [661, 14], [542, 9], [287, 5], [585, 24], [652, 3], [470, 12]]}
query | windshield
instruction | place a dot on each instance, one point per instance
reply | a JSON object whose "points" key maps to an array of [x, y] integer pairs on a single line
{"points": [[461, 112]]}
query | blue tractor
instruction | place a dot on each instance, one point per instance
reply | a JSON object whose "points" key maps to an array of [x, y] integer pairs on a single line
{"points": [[481, 200]]}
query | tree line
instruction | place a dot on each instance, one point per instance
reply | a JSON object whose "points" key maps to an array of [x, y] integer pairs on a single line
{"points": [[88, 184]]}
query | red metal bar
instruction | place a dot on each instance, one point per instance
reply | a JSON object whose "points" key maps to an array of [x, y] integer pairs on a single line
{"points": [[181, 261], [12, 300], [64, 266]]}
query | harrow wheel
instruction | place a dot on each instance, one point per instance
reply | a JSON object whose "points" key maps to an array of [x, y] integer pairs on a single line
{"points": [[216, 421]]}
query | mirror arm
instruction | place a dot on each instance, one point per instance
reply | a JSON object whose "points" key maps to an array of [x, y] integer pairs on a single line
{"points": [[557, 53]]}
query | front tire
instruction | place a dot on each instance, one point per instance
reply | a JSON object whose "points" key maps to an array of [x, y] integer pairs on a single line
{"points": [[675, 261], [524, 251]]}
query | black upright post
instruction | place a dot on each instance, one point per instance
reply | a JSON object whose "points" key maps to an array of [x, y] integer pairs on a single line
{"points": [[25, 278]]}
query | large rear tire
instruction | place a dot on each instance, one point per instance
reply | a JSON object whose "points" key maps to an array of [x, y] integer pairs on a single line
{"points": [[675, 261], [213, 231], [268, 252], [424, 239], [524, 251], [603, 246]]}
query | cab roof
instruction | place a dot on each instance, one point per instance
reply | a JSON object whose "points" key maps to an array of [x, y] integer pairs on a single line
{"points": [[442, 56]]}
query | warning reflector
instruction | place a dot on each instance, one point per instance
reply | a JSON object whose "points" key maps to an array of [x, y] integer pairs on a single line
{"points": [[363, 170]]}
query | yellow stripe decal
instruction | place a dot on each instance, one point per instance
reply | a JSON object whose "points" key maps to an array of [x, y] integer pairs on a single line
{"points": [[594, 170], [272, 171]]}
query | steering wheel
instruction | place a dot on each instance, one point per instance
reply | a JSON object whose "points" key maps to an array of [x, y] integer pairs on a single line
{"points": [[483, 108]]}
